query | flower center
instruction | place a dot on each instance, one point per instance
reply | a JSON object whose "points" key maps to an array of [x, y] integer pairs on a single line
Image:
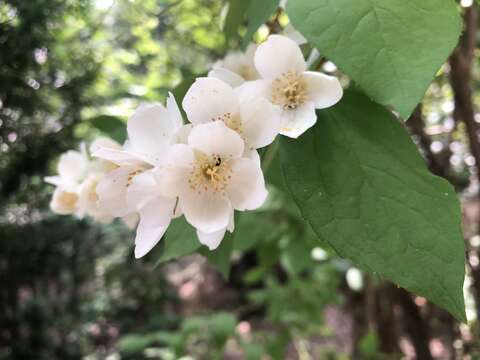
{"points": [[68, 199], [247, 72], [209, 173], [232, 121], [289, 90], [131, 175]]}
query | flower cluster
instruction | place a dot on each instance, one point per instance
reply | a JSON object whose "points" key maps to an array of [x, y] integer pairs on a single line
{"points": [[208, 168]]}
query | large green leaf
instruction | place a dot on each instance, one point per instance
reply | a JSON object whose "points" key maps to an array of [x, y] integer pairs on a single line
{"points": [[362, 185], [390, 48]]}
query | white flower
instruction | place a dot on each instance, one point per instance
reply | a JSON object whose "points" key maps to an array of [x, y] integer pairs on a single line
{"points": [[64, 202], [72, 168], [151, 130], [88, 199], [132, 186], [211, 179], [256, 120], [285, 82], [237, 67], [76, 183]]}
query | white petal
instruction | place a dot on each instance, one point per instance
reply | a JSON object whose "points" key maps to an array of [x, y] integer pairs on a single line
{"points": [[142, 189], [250, 52], [323, 90], [176, 117], [313, 57], [260, 122], [112, 191], [252, 90], [64, 184], [231, 222], [246, 189], [278, 55], [88, 198], [211, 240], [226, 76], [131, 220], [119, 157], [181, 137], [207, 211], [155, 217], [252, 154], [72, 165], [296, 122], [104, 142], [157, 212], [146, 238], [150, 130], [216, 138], [292, 33], [172, 177], [64, 202], [208, 99]]}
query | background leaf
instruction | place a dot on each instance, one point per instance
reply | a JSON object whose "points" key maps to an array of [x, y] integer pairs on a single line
{"points": [[112, 126], [258, 13], [364, 188], [236, 14], [220, 257], [381, 44], [180, 240]]}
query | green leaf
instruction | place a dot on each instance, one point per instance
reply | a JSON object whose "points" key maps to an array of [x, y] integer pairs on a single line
{"points": [[222, 326], [390, 48], [134, 343], [180, 240], [112, 126], [364, 188], [258, 13], [220, 257], [235, 16], [251, 228]]}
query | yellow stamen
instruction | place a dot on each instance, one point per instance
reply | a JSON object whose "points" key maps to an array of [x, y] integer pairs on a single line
{"points": [[289, 90]]}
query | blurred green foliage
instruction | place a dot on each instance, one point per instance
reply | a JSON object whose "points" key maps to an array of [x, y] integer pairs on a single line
{"points": [[71, 289]]}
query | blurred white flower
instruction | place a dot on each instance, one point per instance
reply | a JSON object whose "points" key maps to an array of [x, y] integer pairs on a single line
{"points": [[76, 182], [237, 67], [211, 179], [131, 187], [72, 168], [256, 120], [285, 82], [64, 202]]}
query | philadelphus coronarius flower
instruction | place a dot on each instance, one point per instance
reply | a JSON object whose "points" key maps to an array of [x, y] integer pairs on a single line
{"points": [[132, 186], [237, 67], [76, 182], [286, 83], [205, 170], [256, 120], [211, 178]]}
